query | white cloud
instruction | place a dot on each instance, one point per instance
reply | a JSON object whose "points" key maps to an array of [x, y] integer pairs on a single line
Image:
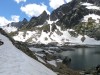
{"points": [[18, 1], [68, 1], [15, 18], [4, 21], [34, 9], [56, 3]]}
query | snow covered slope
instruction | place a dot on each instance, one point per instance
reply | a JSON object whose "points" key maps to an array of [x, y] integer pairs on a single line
{"points": [[9, 29], [58, 36], [15, 62]]}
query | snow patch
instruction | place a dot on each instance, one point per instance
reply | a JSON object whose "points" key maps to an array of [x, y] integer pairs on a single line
{"points": [[90, 6], [35, 49], [23, 36], [93, 7], [93, 16], [9, 29], [53, 62], [86, 4], [44, 38], [59, 60], [41, 60], [40, 55]]}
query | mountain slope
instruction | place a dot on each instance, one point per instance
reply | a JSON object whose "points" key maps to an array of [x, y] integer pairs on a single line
{"points": [[76, 11], [15, 62], [20, 23], [35, 21], [80, 16], [14, 26], [10, 29], [58, 37]]}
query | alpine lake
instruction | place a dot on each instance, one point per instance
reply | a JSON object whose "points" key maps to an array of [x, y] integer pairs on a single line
{"points": [[83, 58]]}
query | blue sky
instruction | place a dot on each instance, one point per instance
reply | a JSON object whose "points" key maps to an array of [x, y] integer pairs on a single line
{"points": [[15, 10], [10, 7]]}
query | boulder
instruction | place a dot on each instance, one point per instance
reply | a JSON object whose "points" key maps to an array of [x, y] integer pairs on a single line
{"points": [[1, 43], [98, 68], [67, 60]]}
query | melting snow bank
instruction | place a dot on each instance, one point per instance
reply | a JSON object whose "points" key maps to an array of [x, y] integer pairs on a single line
{"points": [[15, 62]]}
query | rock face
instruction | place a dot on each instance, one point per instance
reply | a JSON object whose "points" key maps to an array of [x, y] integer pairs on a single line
{"points": [[98, 69], [1, 43], [72, 13], [40, 20], [20, 23], [69, 7], [62, 10]]}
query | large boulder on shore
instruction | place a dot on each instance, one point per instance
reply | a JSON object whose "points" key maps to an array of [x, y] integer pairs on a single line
{"points": [[67, 60]]}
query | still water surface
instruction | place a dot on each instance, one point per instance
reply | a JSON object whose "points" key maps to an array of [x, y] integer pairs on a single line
{"points": [[83, 58]]}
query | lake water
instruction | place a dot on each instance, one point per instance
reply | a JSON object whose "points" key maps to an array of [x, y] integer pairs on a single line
{"points": [[83, 58]]}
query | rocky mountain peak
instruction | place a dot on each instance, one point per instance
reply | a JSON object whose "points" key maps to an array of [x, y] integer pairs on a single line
{"points": [[44, 13], [62, 10], [35, 21], [69, 7], [73, 13], [24, 20]]}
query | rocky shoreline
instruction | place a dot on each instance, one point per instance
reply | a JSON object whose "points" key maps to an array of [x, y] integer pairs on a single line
{"points": [[49, 56]]}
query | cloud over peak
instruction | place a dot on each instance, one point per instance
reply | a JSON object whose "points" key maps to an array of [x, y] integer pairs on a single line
{"points": [[56, 3], [34, 9], [68, 1], [15, 18], [4, 21], [18, 1]]}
